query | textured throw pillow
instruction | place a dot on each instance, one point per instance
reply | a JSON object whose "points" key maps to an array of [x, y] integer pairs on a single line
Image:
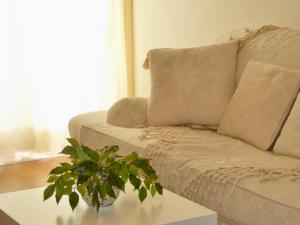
{"points": [[288, 142], [260, 104], [191, 86], [128, 112]]}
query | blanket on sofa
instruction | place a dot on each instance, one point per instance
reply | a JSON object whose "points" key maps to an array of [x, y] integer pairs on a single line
{"points": [[199, 166]]}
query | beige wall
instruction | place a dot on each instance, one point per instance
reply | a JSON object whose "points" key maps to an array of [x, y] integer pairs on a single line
{"points": [[187, 23]]}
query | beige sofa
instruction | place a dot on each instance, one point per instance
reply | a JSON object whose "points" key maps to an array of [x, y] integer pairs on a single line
{"points": [[222, 173]]}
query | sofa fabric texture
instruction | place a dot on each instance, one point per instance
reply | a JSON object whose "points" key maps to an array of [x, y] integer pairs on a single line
{"points": [[260, 104], [88, 119], [128, 112], [244, 185], [271, 44], [288, 142], [182, 162], [191, 86], [98, 133]]}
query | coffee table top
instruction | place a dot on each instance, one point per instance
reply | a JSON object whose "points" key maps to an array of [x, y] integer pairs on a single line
{"points": [[27, 208]]}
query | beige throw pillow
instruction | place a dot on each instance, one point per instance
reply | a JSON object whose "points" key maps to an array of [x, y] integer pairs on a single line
{"points": [[288, 142], [260, 104], [128, 112], [191, 86]]}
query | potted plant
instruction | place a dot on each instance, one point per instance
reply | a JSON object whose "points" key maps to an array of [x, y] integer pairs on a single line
{"points": [[99, 175]]}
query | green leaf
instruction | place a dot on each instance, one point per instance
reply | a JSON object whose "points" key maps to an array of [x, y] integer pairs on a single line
{"points": [[130, 157], [136, 182], [73, 200], [123, 172], [142, 194], [69, 183], [90, 187], [57, 170], [67, 190], [153, 176], [113, 165], [69, 150], [108, 151], [82, 179], [49, 191], [147, 183], [81, 189], [159, 188], [87, 168], [153, 190], [59, 188], [141, 163], [110, 191], [58, 198], [93, 155], [116, 181], [52, 179], [66, 177], [121, 185], [73, 142], [66, 166], [59, 182], [95, 198], [133, 169], [113, 149], [81, 155], [144, 165], [102, 190]]}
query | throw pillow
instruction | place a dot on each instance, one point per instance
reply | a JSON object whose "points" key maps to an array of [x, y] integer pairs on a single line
{"points": [[190, 86], [128, 112], [288, 142], [260, 104]]}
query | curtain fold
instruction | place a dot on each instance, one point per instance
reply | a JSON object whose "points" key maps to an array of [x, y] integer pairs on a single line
{"points": [[58, 59], [128, 36]]}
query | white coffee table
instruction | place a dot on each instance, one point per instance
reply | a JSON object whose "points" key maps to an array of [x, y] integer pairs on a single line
{"points": [[27, 208]]}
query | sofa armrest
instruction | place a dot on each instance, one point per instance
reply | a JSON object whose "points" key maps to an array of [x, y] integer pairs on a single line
{"points": [[128, 112]]}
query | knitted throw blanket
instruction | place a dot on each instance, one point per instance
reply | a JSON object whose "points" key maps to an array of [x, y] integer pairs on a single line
{"points": [[193, 163]]}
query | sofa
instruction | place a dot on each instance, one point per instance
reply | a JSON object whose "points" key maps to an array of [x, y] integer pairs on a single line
{"points": [[216, 167]]}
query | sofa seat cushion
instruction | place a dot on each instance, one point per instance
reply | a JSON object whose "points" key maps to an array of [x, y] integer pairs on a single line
{"points": [[200, 170], [92, 129]]}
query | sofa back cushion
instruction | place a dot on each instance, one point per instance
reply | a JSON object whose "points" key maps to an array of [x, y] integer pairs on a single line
{"points": [[271, 44], [260, 103], [190, 86], [288, 142]]}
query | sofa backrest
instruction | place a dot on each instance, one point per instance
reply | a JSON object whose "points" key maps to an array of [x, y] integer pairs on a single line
{"points": [[271, 44]]}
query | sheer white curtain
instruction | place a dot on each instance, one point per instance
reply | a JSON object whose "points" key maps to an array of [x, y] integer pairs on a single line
{"points": [[58, 58]]}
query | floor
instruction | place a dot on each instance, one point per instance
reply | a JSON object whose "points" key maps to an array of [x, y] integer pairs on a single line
{"points": [[26, 175], [12, 157]]}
